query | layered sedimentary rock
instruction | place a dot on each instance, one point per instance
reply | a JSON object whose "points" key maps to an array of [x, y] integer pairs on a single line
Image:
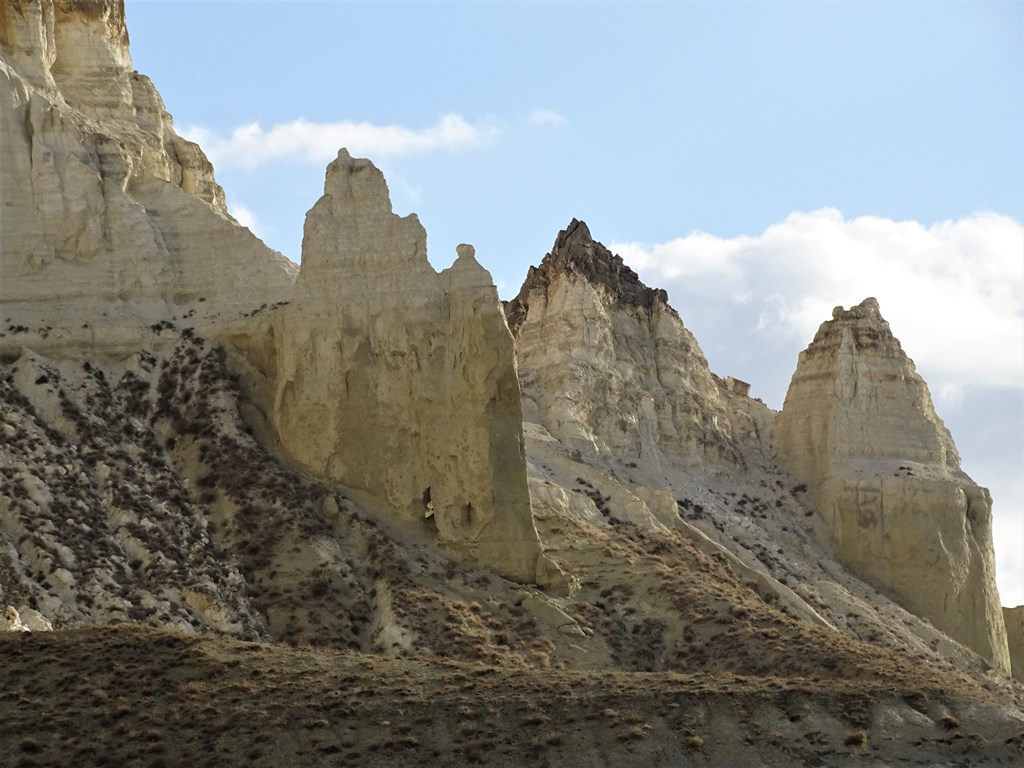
{"points": [[858, 426], [607, 366], [109, 221], [401, 382]]}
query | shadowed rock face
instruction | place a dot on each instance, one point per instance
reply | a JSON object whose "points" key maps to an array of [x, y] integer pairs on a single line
{"points": [[401, 382], [110, 220], [607, 366], [1014, 620], [859, 427]]}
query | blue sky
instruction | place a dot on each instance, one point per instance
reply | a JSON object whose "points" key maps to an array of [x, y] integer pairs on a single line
{"points": [[761, 161]]}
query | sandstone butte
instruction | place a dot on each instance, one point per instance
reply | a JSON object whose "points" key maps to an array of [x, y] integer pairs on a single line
{"points": [[858, 426], [198, 435]]}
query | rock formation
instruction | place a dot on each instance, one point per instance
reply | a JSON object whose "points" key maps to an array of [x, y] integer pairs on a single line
{"points": [[25, 620], [109, 221], [1013, 618], [607, 366], [175, 454], [401, 382], [858, 426]]}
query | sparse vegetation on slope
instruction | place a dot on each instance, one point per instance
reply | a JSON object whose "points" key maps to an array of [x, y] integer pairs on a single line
{"points": [[127, 695]]}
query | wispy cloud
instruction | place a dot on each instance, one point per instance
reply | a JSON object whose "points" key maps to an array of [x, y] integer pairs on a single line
{"points": [[251, 145], [546, 117], [953, 292]]}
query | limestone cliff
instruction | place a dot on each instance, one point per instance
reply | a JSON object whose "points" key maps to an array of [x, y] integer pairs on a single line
{"points": [[109, 221], [401, 382], [608, 367], [858, 426]]}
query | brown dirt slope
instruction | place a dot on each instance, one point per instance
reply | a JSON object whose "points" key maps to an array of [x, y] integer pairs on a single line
{"points": [[129, 695]]}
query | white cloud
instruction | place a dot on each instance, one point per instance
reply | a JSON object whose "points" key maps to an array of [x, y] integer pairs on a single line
{"points": [[246, 218], [953, 292], [250, 145], [546, 117]]}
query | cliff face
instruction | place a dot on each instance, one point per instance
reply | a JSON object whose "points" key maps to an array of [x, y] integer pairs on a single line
{"points": [[287, 474], [859, 427], [110, 220], [401, 382], [607, 366]]}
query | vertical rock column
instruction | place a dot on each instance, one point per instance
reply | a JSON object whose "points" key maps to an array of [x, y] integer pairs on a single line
{"points": [[401, 382], [858, 426]]}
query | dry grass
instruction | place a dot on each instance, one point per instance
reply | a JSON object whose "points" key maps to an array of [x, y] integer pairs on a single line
{"points": [[128, 695]]}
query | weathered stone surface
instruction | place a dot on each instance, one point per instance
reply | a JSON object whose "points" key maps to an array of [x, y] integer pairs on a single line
{"points": [[401, 382], [607, 366], [34, 620], [11, 621], [858, 426], [109, 221], [1013, 618]]}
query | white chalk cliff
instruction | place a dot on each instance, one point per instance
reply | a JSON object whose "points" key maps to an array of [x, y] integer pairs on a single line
{"points": [[608, 367], [401, 382], [858, 426], [197, 435], [109, 221]]}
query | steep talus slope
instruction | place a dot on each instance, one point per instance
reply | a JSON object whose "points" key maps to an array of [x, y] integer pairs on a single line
{"points": [[858, 426], [101, 200], [139, 493]]}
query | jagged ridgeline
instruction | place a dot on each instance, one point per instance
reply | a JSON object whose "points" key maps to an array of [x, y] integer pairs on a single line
{"points": [[207, 455]]}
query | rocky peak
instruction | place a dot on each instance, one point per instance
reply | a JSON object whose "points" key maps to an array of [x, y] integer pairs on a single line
{"points": [[607, 365], [858, 426], [880, 407], [352, 232], [865, 327], [401, 382], [576, 253]]}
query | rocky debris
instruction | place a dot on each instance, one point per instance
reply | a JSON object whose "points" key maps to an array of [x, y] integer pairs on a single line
{"points": [[96, 522], [401, 382], [1014, 620], [607, 367], [547, 612], [12, 621], [111, 221], [858, 427], [24, 620]]}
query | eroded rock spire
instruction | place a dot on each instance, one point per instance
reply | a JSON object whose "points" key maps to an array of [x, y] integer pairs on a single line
{"points": [[401, 382], [859, 427]]}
